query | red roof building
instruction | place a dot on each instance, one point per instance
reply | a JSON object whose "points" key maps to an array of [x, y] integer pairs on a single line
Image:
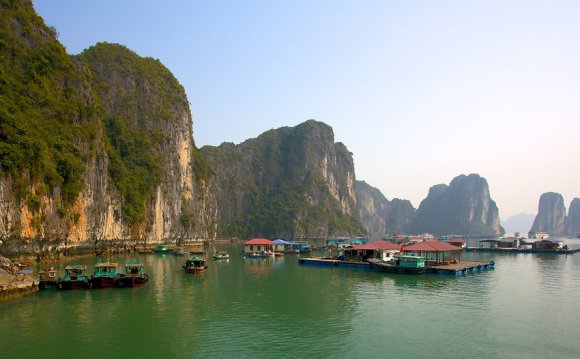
{"points": [[439, 248], [377, 249], [258, 245], [431, 246], [378, 245], [259, 241]]}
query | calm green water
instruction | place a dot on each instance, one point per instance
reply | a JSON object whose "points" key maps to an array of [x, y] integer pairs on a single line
{"points": [[527, 307]]}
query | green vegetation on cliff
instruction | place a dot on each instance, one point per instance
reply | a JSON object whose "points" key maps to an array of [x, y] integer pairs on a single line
{"points": [[139, 97], [45, 108], [289, 182]]}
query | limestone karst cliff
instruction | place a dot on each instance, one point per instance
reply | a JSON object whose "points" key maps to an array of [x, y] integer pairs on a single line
{"points": [[551, 217], [92, 147], [573, 219], [379, 216], [291, 182], [462, 207]]}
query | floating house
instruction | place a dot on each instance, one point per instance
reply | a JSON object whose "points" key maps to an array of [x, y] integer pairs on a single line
{"points": [[435, 251], [548, 245], [382, 250], [346, 242], [458, 242], [258, 245]]}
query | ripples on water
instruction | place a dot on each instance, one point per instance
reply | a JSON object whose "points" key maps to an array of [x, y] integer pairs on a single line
{"points": [[525, 308]]}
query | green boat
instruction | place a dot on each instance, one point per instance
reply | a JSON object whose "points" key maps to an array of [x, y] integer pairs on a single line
{"points": [[400, 264], [105, 275], [47, 278], [161, 249], [75, 277], [134, 276]]}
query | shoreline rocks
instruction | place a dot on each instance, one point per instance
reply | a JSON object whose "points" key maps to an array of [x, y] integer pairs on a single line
{"points": [[12, 284]]}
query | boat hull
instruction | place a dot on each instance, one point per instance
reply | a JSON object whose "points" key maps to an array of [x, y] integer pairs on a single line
{"points": [[391, 268], [47, 284], [103, 282], [74, 284], [132, 281], [195, 270]]}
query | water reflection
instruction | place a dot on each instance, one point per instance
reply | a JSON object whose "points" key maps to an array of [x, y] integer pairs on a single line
{"points": [[240, 307]]}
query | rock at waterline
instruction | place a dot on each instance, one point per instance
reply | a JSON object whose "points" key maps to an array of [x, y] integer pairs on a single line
{"points": [[12, 284]]}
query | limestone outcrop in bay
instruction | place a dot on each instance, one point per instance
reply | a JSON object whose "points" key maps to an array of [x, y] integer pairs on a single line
{"points": [[290, 182], [551, 217], [379, 216], [573, 219], [464, 206]]}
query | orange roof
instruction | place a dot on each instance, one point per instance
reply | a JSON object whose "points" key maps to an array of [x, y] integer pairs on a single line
{"points": [[383, 245], [431, 246], [259, 241]]}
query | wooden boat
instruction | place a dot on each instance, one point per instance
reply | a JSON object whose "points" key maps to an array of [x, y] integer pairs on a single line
{"points": [[195, 265], [221, 255], [105, 275], [75, 277], [47, 279], [133, 276], [161, 249]]}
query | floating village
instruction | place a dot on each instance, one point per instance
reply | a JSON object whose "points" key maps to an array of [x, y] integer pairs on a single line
{"points": [[406, 255]]}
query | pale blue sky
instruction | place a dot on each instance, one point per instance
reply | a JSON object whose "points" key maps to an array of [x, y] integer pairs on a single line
{"points": [[419, 91]]}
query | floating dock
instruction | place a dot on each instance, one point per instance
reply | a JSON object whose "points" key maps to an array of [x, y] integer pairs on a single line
{"points": [[522, 250], [329, 262], [461, 268]]}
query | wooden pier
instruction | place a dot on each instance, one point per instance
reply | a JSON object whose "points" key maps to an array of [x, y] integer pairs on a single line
{"points": [[461, 268]]}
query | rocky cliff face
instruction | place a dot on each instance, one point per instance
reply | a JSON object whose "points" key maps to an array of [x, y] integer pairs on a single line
{"points": [[573, 219], [93, 147], [142, 100], [551, 217], [49, 132], [291, 182], [380, 216], [463, 207]]}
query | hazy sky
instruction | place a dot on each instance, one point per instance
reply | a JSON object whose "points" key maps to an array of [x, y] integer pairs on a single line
{"points": [[419, 91]]}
